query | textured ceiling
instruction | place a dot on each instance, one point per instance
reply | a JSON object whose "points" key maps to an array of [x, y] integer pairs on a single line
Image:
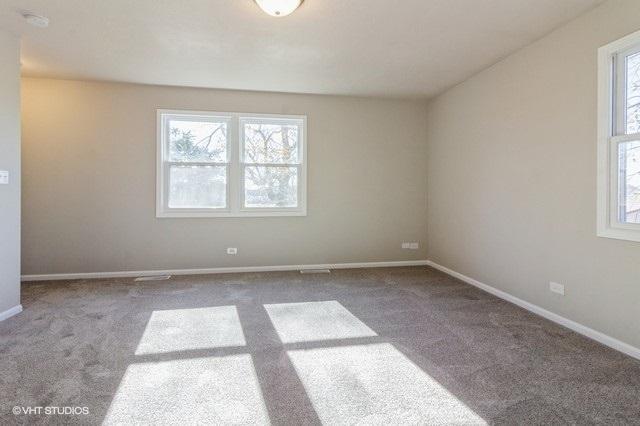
{"points": [[401, 48]]}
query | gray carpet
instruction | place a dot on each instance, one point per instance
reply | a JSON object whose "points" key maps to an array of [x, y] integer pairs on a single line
{"points": [[374, 346]]}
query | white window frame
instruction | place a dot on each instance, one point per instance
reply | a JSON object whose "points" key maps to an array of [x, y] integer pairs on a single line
{"points": [[235, 166], [611, 133]]}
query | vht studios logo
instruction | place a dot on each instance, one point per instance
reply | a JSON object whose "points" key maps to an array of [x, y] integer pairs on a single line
{"points": [[51, 411]]}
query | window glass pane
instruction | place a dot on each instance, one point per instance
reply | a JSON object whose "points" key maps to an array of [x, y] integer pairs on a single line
{"points": [[629, 157], [198, 141], [270, 186], [198, 187], [633, 93], [271, 143]]}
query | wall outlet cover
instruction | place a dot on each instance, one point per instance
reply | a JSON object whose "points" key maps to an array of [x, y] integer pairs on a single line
{"points": [[232, 250], [411, 246], [556, 288]]}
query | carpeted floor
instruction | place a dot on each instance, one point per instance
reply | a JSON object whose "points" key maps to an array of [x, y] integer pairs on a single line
{"points": [[371, 346]]}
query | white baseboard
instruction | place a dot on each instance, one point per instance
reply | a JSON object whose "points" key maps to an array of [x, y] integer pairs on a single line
{"points": [[10, 312], [226, 270], [577, 327]]}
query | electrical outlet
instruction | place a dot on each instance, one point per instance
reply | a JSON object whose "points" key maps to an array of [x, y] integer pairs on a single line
{"points": [[556, 288], [4, 177], [232, 250], [411, 246]]}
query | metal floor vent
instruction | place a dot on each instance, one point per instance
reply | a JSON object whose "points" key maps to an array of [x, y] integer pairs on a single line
{"points": [[315, 271], [154, 278]]}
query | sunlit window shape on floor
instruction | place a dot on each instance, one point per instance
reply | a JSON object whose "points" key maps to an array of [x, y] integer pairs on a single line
{"points": [[375, 384], [215, 390], [314, 321], [191, 329]]}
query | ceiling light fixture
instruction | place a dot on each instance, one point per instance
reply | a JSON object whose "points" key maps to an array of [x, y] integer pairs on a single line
{"points": [[36, 20], [279, 8]]}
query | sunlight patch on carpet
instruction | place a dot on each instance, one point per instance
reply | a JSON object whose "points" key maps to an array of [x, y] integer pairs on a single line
{"points": [[314, 321], [216, 390], [191, 329], [375, 384]]}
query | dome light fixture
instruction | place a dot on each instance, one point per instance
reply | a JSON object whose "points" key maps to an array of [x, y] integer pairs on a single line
{"points": [[279, 8], [36, 20]]}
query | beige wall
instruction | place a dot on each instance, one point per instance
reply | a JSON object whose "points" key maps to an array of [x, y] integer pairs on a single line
{"points": [[512, 179], [10, 161], [89, 182]]}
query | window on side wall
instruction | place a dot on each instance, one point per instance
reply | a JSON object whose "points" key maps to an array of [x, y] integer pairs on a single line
{"points": [[619, 139]]}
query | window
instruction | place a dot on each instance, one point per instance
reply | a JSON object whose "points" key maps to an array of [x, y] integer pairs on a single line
{"points": [[619, 139], [230, 165]]}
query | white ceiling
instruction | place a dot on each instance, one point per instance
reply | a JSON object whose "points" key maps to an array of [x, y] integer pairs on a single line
{"points": [[394, 48]]}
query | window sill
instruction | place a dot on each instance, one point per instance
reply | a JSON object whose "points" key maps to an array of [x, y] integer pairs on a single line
{"points": [[620, 234], [268, 213]]}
